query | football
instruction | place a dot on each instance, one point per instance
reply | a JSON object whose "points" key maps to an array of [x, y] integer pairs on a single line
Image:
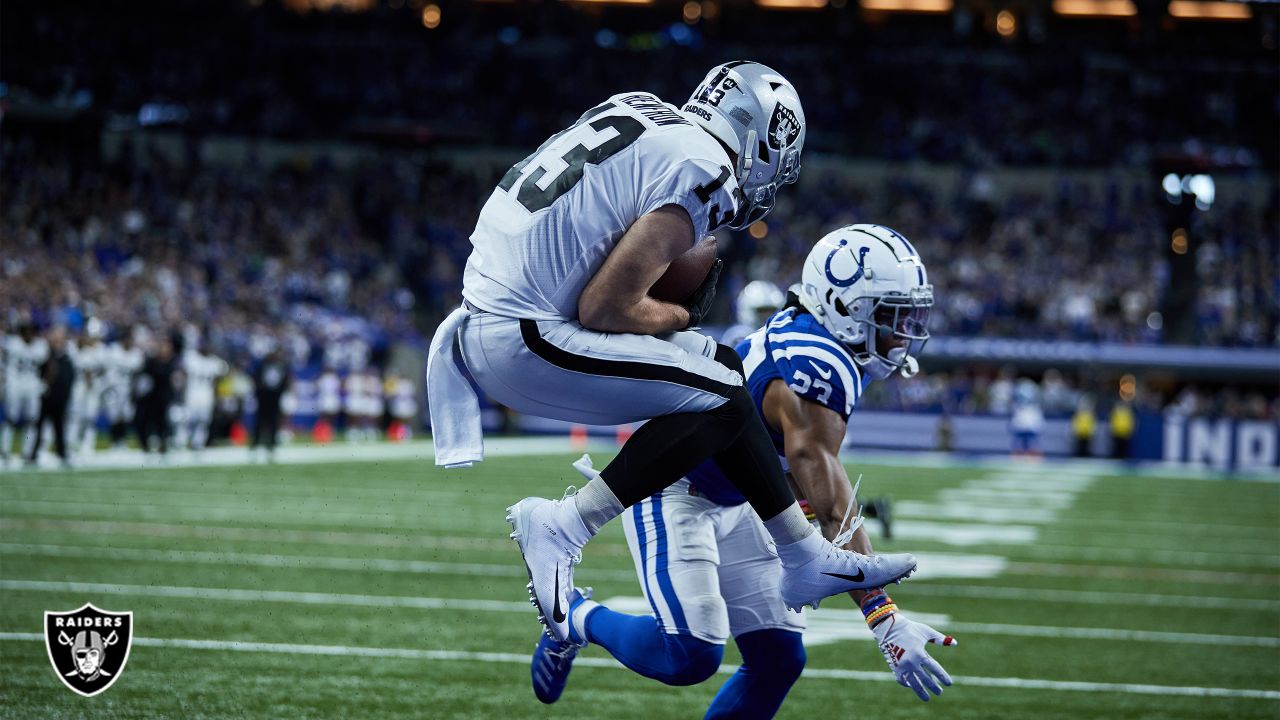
{"points": [[686, 272]]}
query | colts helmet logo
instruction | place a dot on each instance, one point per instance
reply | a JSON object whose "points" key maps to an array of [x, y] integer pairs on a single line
{"points": [[784, 127], [88, 647], [856, 276]]}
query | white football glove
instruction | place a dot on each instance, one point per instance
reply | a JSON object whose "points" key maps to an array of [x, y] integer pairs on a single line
{"points": [[903, 643]]}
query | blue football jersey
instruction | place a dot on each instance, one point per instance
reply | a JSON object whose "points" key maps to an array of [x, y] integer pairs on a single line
{"points": [[795, 348]]}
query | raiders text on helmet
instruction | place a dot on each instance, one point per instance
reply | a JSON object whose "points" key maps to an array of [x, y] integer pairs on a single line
{"points": [[754, 111]]}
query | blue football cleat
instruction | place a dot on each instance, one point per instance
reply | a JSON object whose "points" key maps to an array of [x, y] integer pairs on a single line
{"points": [[553, 659]]}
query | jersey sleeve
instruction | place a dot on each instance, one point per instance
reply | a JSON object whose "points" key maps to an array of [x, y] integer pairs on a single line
{"points": [[705, 189], [816, 373]]}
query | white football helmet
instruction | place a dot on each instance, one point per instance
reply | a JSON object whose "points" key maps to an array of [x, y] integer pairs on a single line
{"points": [[759, 296], [867, 285], [755, 112]]}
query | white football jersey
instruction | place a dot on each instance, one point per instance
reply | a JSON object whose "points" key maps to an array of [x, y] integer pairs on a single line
{"points": [[122, 364], [201, 371], [91, 364], [22, 361], [557, 214]]}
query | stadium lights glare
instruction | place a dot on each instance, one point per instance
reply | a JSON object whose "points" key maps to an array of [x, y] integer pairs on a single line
{"points": [[1095, 8], [918, 6], [1196, 10], [792, 4]]}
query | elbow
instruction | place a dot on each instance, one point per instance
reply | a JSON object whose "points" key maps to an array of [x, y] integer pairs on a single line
{"points": [[592, 315]]}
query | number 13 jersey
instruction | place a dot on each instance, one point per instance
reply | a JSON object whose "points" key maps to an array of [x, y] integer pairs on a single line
{"points": [[557, 214]]}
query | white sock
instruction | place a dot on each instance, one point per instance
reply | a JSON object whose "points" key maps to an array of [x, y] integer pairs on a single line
{"points": [[578, 618], [789, 526], [598, 505], [6, 440]]}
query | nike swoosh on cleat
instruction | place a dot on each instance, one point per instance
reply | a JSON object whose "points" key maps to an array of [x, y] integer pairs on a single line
{"points": [[851, 578], [556, 613]]}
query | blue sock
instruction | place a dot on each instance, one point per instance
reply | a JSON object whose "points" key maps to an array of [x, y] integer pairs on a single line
{"points": [[771, 663], [637, 642]]}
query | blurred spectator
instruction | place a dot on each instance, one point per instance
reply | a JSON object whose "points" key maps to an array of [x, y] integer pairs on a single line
{"points": [[1083, 426], [270, 382], [153, 395], [58, 374], [1123, 423]]}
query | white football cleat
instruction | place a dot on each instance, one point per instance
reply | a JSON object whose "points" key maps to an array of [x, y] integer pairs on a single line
{"points": [[813, 569], [551, 535]]}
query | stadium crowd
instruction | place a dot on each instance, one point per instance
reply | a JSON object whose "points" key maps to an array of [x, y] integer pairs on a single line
{"points": [[310, 255], [1059, 93]]}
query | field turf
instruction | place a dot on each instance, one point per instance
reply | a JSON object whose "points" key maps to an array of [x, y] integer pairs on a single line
{"points": [[389, 588]]}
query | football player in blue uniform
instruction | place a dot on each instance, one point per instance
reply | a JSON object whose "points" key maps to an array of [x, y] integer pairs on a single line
{"points": [[705, 562]]}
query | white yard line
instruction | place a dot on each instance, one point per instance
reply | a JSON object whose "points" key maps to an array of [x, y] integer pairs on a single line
{"points": [[817, 673], [424, 451], [917, 588], [929, 589], [429, 603], [365, 564]]}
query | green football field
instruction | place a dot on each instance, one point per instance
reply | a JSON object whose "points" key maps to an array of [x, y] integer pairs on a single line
{"points": [[389, 588]]}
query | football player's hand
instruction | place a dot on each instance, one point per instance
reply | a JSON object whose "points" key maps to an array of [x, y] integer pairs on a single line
{"points": [[903, 643], [699, 304]]}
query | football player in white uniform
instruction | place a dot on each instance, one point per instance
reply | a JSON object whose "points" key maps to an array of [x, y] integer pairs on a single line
{"points": [[24, 353], [558, 322], [860, 314], [91, 359], [124, 360], [202, 369]]}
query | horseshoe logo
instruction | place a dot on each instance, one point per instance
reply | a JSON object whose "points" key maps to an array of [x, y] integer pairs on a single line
{"points": [[846, 282]]}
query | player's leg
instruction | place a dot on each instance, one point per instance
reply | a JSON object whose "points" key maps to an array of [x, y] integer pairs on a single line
{"points": [[87, 438], [767, 633], [202, 416], [772, 661], [11, 415], [32, 453], [29, 402], [672, 542]]}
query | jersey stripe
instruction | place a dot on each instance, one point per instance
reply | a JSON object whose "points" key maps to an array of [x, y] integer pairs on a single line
{"points": [[841, 352], [816, 353], [664, 576]]}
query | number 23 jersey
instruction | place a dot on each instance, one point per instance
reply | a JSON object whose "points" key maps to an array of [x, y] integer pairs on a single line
{"points": [[792, 347], [556, 215]]}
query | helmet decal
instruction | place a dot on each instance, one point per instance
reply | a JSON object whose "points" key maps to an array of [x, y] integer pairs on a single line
{"points": [[784, 127], [856, 276]]}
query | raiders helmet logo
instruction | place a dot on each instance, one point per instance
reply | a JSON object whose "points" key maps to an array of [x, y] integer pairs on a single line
{"points": [[88, 647], [784, 128]]}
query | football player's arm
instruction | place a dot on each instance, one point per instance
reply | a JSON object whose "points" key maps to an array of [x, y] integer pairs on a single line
{"points": [[617, 298], [812, 435]]}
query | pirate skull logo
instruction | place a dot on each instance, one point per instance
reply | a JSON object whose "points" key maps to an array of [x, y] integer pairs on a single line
{"points": [[784, 127], [88, 647]]}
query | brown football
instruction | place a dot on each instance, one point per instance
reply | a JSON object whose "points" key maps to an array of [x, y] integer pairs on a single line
{"points": [[686, 272]]}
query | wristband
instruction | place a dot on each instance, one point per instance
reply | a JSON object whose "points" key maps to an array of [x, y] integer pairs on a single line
{"points": [[877, 606]]}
